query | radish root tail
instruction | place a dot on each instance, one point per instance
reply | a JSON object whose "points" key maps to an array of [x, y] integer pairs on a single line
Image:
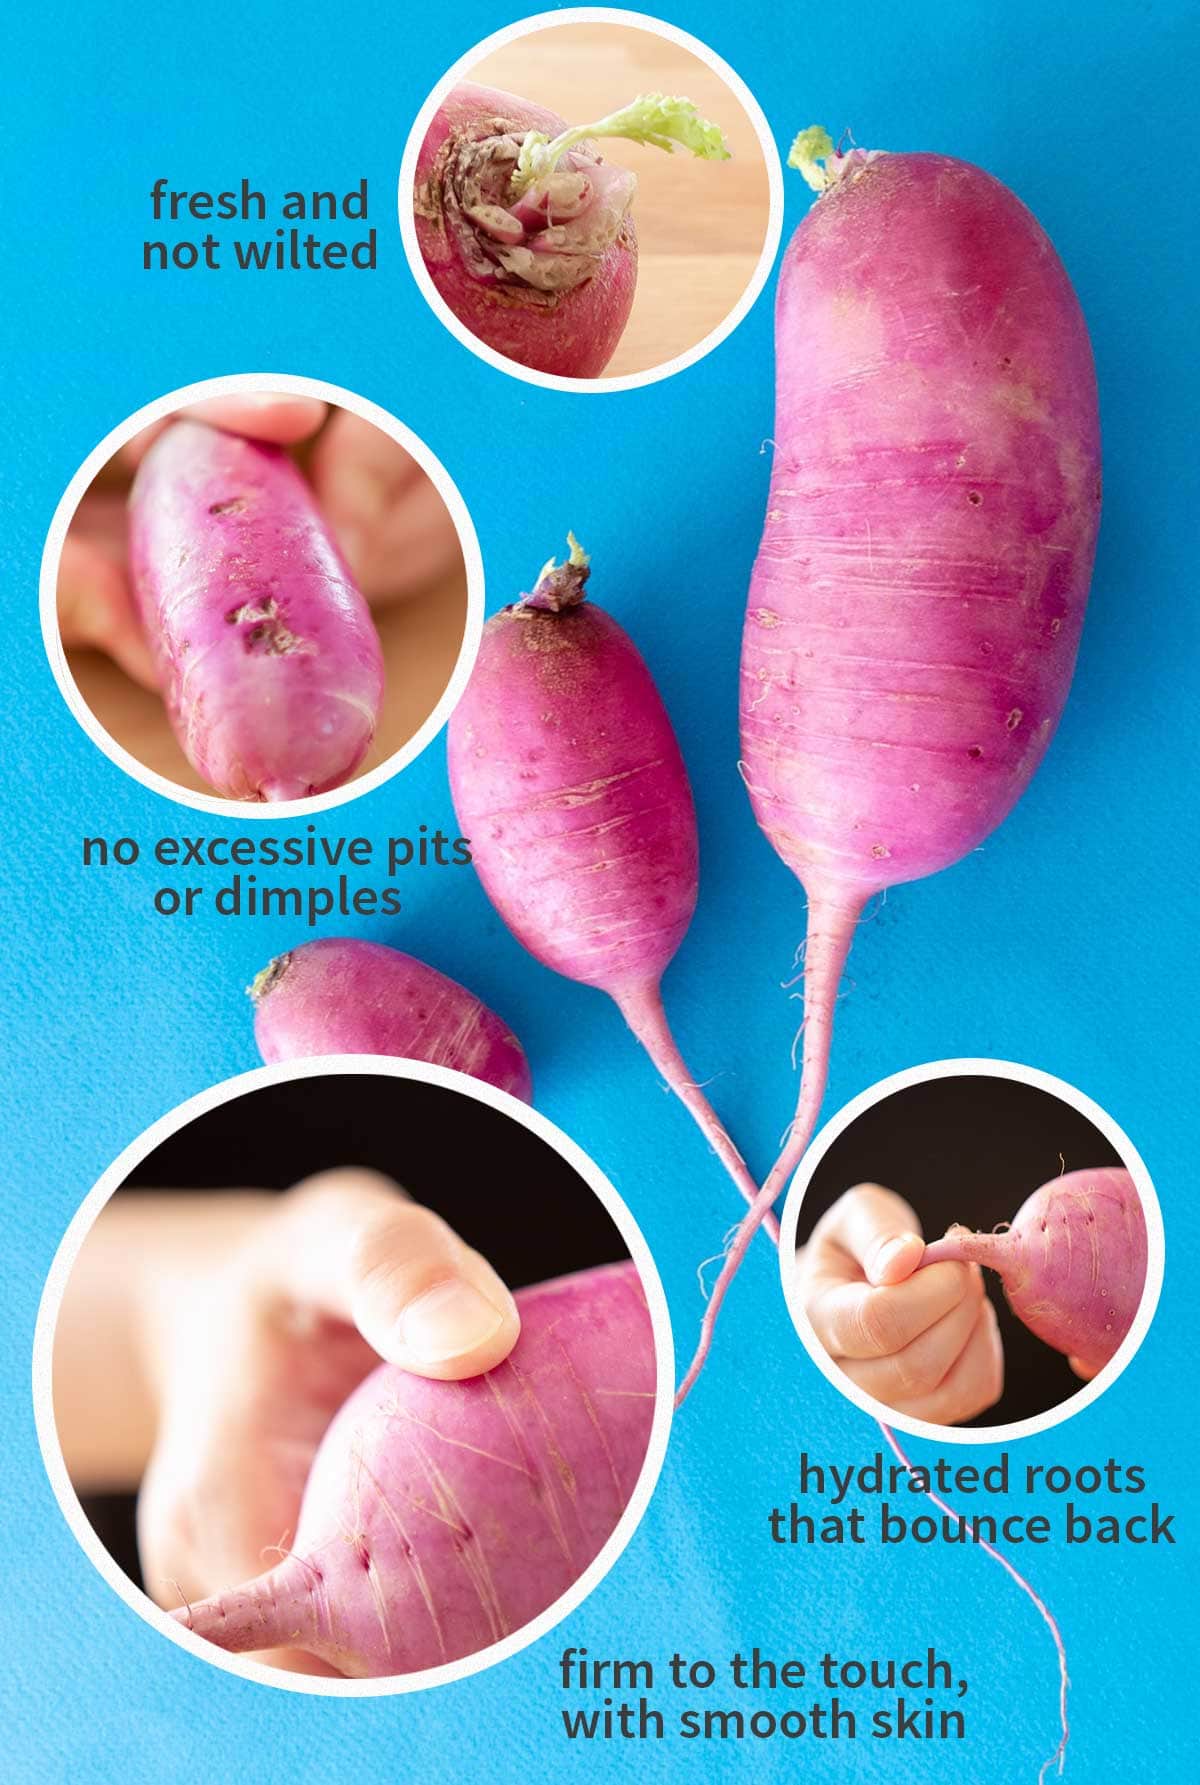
{"points": [[1056, 1759], [643, 1011], [830, 933]]}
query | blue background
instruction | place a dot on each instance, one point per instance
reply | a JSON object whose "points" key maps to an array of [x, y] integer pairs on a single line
{"points": [[1067, 941]]}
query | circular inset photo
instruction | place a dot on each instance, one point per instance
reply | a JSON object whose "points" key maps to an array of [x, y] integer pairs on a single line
{"points": [[972, 1249], [261, 590], [354, 1380], [591, 200]]}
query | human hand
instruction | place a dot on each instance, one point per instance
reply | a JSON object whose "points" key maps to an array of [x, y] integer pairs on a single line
{"points": [[253, 1359], [922, 1341]]}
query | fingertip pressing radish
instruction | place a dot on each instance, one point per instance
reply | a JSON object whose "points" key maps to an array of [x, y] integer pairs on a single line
{"points": [[525, 230], [1073, 1262], [567, 776], [917, 600], [440, 1517], [269, 662], [339, 995]]}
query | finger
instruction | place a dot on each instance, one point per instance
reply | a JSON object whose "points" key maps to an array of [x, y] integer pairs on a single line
{"points": [[861, 1320], [273, 416], [1084, 1371], [415, 545], [181, 1562], [96, 612], [972, 1385], [976, 1380], [134, 451], [390, 521], [270, 416], [240, 1418], [877, 1230], [350, 1244], [921, 1366]]}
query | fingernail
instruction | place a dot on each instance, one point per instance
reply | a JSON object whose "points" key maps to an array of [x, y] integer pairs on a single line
{"points": [[447, 1321]]}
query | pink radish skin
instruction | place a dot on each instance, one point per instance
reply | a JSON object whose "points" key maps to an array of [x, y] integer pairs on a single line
{"points": [[269, 662], [439, 1517], [468, 150], [567, 776], [1073, 1263], [342, 996], [916, 604]]}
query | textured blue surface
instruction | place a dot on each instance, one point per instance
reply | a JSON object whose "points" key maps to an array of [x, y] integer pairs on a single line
{"points": [[1066, 942]]}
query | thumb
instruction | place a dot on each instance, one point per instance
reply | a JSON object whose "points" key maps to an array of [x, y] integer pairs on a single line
{"points": [[880, 1231], [357, 1248], [892, 1258]]}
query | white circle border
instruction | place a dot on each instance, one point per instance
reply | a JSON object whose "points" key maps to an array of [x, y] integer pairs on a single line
{"points": [[638, 21], [236, 384], [1084, 1106], [111, 1180]]}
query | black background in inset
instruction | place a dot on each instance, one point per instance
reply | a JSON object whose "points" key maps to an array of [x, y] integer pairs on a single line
{"points": [[507, 1192], [969, 1149], [504, 1190]]}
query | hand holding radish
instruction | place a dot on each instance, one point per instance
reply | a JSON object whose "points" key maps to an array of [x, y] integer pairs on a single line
{"points": [[923, 1342], [389, 536], [273, 1312], [393, 528], [439, 1518], [96, 609]]}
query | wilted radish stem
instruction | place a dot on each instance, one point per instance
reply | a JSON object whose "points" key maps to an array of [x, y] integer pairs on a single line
{"points": [[1048, 1616], [546, 219], [831, 926]]}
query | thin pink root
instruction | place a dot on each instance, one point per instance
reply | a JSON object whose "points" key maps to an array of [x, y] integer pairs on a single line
{"points": [[758, 1215], [1056, 1759], [830, 931], [643, 1011]]}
